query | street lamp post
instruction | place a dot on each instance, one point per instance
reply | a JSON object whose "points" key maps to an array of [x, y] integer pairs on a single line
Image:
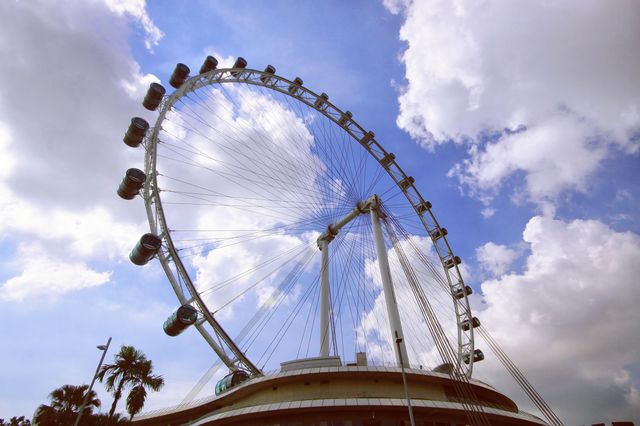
{"points": [[404, 382], [104, 349]]}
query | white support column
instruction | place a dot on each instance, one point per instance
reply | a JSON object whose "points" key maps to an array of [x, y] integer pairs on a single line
{"points": [[325, 306], [389, 295]]}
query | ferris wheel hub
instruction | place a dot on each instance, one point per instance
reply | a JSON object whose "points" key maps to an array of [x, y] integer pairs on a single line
{"points": [[361, 208]]}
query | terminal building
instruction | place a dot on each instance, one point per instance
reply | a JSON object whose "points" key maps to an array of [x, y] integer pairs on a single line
{"points": [[323, 392]]}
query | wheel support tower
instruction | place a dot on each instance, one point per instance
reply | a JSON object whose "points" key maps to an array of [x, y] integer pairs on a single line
{"points": [[373, 207]]}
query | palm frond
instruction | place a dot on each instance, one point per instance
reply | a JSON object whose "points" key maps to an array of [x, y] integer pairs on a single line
{"points": [[136, 399]]}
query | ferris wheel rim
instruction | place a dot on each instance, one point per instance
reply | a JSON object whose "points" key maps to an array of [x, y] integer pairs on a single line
{"points": [[344, 119]]}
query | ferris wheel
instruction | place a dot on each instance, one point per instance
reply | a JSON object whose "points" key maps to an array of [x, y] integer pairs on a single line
{"points": [[286, 229]]}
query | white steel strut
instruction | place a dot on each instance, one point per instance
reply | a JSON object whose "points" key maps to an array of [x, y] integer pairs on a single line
{"points": [[371, 206]]}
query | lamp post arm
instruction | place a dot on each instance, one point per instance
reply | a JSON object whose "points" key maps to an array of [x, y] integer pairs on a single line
{"points": [[404, 381], [95, 375]]}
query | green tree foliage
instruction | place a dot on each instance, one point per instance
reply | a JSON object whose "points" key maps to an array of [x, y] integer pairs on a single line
{"points": [[65, 403], [131, 370]]}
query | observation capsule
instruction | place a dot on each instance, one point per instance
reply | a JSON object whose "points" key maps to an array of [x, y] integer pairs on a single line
{"points": [[210, 63], [240, 63], [147, 247], [424, 206], [268, 72], [231, 380], [406, 182], [294, 88], [321, 102], [136, 131], [459, 294], [467, 325], [452, 261], [345, 118], [477, 356], [180, 75], [367, 138], [387, 160], [436, 234], [131, 184], [154, 96], [180, 320]]}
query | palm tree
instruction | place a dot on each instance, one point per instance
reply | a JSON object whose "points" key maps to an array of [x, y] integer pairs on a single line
{"points": [[105, 420], [65, 404], [16, 421], [131, 369]]}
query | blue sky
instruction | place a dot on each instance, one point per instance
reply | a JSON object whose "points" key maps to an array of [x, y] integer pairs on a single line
{"points": [[519, 121]]}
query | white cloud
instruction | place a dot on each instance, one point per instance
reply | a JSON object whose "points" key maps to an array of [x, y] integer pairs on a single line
{"points": [[45, 276], [488, 212], [564, 77], [495, 258], [6, 161], [542, 153], [63, 124], [137, 9], [569, 321], [57, 130], [84, 234], [221, 264], [136, 84], [394, 6]]}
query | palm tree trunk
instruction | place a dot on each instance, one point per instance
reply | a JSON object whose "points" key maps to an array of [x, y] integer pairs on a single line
{"points": [[116, 397]]}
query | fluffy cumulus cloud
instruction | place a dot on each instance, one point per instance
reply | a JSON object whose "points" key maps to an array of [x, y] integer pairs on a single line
{"points": [[42, 267], [495, 258], [137, 9], [43, 275], [67, 88], [569, 320], [63, 123], [540, 94], [86, 234], [528, 85]]}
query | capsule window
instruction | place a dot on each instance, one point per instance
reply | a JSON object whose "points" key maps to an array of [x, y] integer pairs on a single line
{"points": [[424, 206], [154, 96], [269, 71], [406, 182], [231, 380], [146, 248], [239, 64], [136, 132], [294, 88], [321, 101], [452, 261], [387, 160], [477, 356], [367, 138], [180, 320], [466, 290], [210, 63], [438, 233], [179, 76], [131, 184], [467, 325], [345, 118]]}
